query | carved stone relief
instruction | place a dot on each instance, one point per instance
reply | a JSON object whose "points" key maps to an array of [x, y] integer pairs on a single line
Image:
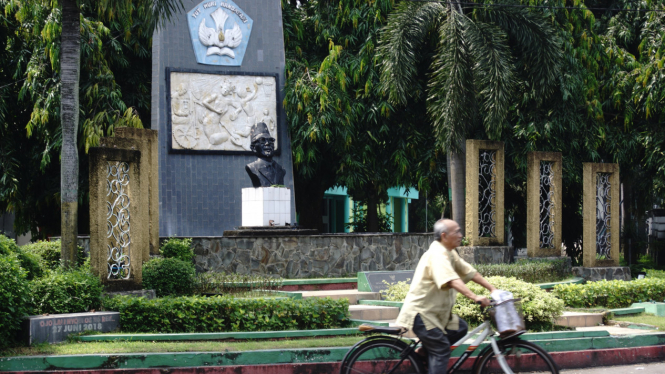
{"points": [[216, 112]]}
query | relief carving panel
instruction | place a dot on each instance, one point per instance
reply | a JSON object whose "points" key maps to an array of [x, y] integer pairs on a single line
{"points": [[215, 112]]}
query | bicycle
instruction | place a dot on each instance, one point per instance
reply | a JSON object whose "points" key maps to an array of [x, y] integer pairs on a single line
{"points": [[392, 355]]}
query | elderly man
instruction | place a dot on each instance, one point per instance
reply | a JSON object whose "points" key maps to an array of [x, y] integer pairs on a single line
{"points": [[427, 309]]}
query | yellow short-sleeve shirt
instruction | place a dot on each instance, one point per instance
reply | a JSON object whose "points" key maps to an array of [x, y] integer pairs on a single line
{"points": [[429, 294]]}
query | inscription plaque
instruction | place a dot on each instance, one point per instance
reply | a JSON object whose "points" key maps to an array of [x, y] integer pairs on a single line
{"points": [[56, 327]]}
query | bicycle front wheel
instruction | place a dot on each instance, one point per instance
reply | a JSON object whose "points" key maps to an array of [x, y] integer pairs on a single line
{"points": [[382, 356], [521, 356]]}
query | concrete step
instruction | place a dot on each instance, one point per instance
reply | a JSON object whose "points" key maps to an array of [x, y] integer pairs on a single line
{"points": [[373, 312], [576, 319], [352, 295], [626, 311]]}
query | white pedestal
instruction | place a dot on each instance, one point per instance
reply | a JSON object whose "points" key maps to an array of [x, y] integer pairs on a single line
{"points": [[263, 204]]}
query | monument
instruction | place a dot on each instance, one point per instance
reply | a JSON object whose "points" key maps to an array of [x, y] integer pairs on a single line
{"points": [[544, 204], [484, 204], [600, 214], [268, 203], [218, 71]]}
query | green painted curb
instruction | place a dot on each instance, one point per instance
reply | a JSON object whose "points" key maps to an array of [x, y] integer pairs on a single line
{"points": [[624, 311], [547, 286], [397, 304], [300, 282], [220, 335], [188, 359], [358, 322], [363, 283], [564, 335], [276, 356], [652, 308], [302, 333]]}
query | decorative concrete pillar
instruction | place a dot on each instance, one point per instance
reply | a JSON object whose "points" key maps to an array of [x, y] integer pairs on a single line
{"points": [[484, 192], [147, 142], [600, 240], [543, 200], [118, 217]]}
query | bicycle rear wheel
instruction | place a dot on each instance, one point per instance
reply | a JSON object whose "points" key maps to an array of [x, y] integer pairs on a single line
{"points": [[382, 356], [521, 356]]}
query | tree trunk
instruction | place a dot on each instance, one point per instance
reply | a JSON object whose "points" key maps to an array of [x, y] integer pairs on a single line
{"points": [[70, 61], [372, 214], [457, 172]]}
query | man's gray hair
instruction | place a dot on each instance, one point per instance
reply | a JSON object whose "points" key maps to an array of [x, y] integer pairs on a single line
{"points": [[440, 227]]}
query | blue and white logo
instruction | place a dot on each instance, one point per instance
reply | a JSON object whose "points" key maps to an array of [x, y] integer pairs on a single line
{"points": [[220, 32]]}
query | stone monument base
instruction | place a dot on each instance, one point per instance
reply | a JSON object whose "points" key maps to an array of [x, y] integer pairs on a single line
{"points": [[264, 204], [600, 273], [486, 254]]}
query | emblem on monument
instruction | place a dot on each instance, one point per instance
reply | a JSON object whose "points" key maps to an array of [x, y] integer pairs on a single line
{"points": [[220, 32]]}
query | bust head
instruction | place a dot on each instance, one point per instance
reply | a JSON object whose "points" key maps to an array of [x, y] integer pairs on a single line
{"points": [[263, 144]]}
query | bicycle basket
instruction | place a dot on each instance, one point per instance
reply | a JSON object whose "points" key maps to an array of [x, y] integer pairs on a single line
{"points": [[507, 315]]}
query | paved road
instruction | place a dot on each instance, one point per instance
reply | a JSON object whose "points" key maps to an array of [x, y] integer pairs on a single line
{"points": [[654, 368]]}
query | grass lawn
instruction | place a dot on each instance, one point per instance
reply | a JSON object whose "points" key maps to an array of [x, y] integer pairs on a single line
{"points": [[76, 348], [648, 319]]}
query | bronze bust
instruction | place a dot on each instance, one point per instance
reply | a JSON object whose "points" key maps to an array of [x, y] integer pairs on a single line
{"points": [[264, 172]]}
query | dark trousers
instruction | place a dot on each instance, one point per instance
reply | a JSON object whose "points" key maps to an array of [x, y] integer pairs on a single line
{"points": [[438, 344]]}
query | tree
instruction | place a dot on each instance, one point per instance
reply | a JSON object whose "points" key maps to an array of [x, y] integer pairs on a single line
{"points": [[483, 58], [343, 130], [64, 23]]}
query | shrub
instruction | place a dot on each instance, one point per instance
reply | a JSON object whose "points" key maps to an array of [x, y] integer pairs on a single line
{"points": [[66, 291], [169, 276], [50, 253], [7, 246], [527, 270], [540, 308], [611, 294], [653, 273], [235, 284], [178, 248], [14, 298], [396, 291], [224, 313], [29, 262]]}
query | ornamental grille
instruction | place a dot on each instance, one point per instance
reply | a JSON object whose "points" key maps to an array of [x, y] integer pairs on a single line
{"points": [[603, 200], [487, 194], [117, 220], [546, 205]]}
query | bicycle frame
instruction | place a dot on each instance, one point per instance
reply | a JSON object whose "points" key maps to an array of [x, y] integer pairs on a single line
{"points": [[486, 332]]}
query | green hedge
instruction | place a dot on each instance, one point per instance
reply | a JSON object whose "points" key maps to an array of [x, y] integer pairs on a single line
{"points": [[30, 262], [219, 314], [178, 248], [539, 307], [169, 276], [611, 294], [527, 270], [653, 273], [66, 291], [50, 253], [14, 296]]}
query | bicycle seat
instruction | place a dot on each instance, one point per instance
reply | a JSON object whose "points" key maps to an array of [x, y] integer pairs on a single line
{"points": [[381, 329]]}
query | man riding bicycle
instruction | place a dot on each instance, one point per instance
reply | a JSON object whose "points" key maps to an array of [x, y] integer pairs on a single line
{"points": [[427, 309]]}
